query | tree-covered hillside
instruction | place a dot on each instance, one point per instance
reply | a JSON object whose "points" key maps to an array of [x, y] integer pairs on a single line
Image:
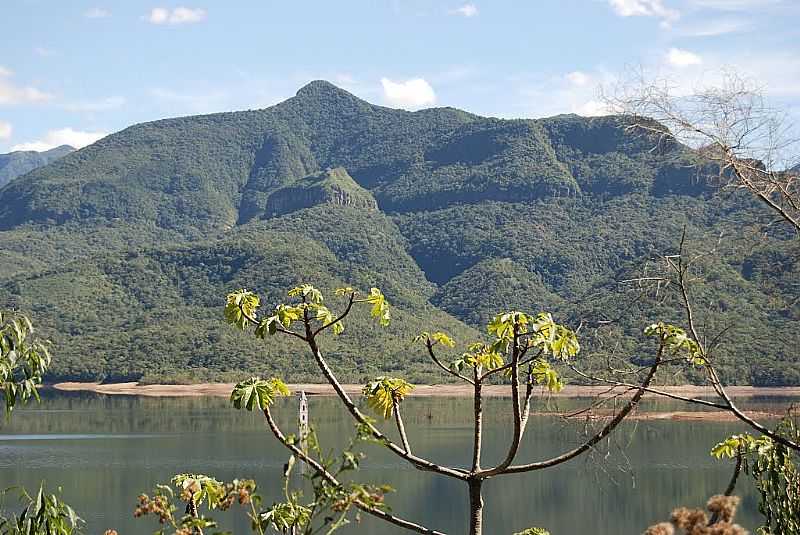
{"points": [[18, 163], [128, 247]]}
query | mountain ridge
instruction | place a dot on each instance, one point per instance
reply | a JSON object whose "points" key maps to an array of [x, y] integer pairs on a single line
{"points": [[126, 248], [251, 153], [17, 163]]}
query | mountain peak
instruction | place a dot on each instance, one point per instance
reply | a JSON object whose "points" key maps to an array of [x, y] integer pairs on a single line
{"points": [[323, 88]]}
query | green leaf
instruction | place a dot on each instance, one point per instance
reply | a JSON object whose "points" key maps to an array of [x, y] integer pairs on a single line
{"points": [[533, 531], [308, 292], [288, 314], [239, 305], [554, 339], [437, 337], [545, 375], [384, 392], [258, 393], [380, 306], [677, 341]]}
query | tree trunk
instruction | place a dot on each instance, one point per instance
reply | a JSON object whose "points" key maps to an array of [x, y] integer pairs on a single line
{"points": [[478, 431], [475, 507]]}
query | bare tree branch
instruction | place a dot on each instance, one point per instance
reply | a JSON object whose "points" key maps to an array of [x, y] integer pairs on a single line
{"points": [[318, 468], [730, 125], [429, 345], [605, 431]]}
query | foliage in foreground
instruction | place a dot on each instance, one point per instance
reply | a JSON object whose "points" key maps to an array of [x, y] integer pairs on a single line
{"points": [[775, 470], [24, 359], [42, 514], [194, 491], [524, 349], [697, 522], [327, 509]]}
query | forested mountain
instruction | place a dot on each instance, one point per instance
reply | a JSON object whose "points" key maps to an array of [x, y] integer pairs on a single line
{"points": [[18, 163], [128, 247]]}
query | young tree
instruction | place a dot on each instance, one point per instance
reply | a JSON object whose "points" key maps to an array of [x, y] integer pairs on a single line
{"points": [[525, 350], [24, 359]]}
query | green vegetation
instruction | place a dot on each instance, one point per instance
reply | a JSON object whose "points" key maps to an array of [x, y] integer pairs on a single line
{"points": [[121, 247], [333, 186], [24, 359], [18, 163], [773, 467]]}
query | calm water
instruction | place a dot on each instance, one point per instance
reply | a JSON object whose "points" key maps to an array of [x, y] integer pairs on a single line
{"points": [[104, 451]]}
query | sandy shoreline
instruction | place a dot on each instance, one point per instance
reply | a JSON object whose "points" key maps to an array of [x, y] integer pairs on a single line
{"points": [[456, 390], [443, 390]]}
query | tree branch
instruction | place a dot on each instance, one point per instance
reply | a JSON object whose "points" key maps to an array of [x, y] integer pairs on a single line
{"points": [[516, 407], [401, 428], [341, 316], [621, 415], [417, 462], [429, 346], [649, 390], [477, 409], [333, 481]]}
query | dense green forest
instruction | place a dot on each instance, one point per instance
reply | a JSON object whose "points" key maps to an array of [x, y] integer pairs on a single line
{"points": [[126, 249], [18, 163]]}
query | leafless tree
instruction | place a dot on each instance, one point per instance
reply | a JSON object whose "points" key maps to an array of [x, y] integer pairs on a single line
{"points": [[676, 275], [731, 124]]}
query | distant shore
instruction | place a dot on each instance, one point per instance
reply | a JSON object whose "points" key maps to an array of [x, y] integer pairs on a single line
{"points": [[442, 390], [464, 391]]}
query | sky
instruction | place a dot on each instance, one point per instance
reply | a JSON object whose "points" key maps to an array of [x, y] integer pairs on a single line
{"points": [[72, 71]]}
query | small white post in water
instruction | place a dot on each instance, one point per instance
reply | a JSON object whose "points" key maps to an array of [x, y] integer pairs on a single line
{"points": [[302, 426]]}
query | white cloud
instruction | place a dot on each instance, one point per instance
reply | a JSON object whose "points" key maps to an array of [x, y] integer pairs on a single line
{"points": [[682, 58], [179, 102], [103, 104], [645, 8], [467, 10], [714, 28], [63, 136], [413, 93], [179, 15], [569, 92], [96, 13], [734, 5], [159, 15], [12, 94], [578, 78], [591, 108], [5, 130]]}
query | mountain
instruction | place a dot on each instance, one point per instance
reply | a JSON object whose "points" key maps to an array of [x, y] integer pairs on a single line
{"points": [[18, 163], [125, 249], [332, 186]]}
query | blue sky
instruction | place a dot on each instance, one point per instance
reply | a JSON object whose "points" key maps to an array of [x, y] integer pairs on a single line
{"points": [[73, 70]]}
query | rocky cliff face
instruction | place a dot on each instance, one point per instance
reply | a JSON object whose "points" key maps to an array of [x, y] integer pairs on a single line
{"points": [[333, 186]]}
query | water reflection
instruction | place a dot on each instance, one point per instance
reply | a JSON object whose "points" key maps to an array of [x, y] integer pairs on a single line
{"points": [[104, 450]]}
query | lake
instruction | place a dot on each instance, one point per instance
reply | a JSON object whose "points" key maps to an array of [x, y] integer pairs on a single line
{"points": [[105, 450]]}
